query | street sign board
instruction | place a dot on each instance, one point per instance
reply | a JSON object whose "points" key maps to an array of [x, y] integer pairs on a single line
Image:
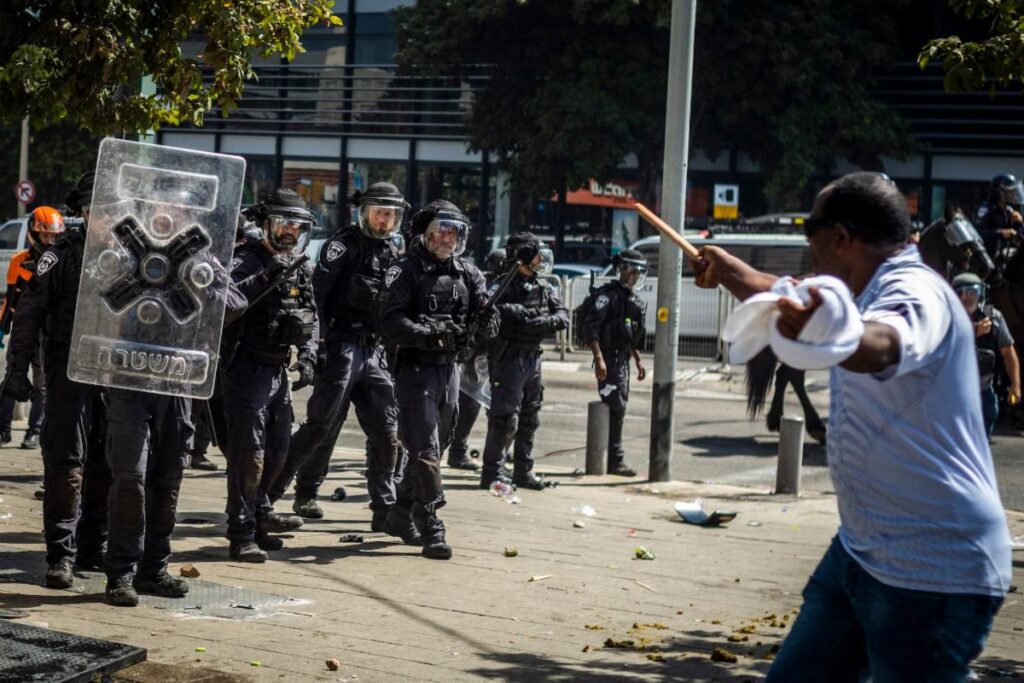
{"points": [[25, 191]]}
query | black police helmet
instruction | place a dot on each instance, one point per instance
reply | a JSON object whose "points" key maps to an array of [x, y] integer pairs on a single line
{"points": [[380, 194], [630, 257], [81, 195], [495, 261], [439, 208], [523, 246], [280, 202]]}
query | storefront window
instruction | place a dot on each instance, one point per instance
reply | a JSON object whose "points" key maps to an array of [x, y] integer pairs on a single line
{"points": [[260, 176], [362, 174], [317, 182], [461, 186]]}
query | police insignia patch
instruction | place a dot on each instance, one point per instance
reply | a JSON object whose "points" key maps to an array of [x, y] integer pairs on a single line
{"points": [[48, 260], [601, 302], [982, 210], [391, 275], [235, 262], [335, 250]]}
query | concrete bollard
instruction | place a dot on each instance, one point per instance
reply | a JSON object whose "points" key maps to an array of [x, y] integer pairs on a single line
{"points": [[791, 455], [597, 437]]}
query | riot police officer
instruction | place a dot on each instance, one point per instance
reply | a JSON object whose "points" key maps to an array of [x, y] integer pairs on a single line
{"points": [[530, 311], [469, 407], [613, 329], [433, 304], [75, 474], [999, 220], [257, 404], [45, 226], [346, 284]]}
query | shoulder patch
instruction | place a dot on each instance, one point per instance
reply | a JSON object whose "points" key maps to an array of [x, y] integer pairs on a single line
{"points": [[601, 302], [392, 275], [982, 210], [47, 261], [335, 250]]}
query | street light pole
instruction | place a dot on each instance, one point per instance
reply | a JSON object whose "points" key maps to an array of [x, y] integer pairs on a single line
{"points": [[670, 259], [23, 161]]}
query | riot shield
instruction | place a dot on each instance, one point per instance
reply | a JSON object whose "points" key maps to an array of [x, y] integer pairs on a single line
{"points": [[476, 381], [151, 299]]}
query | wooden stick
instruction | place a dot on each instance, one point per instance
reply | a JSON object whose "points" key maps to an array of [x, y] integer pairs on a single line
{"points": [[667, 230]]}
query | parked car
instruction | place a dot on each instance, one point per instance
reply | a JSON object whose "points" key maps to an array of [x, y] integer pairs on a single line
{"points": [[576, 269], [13, 238]]}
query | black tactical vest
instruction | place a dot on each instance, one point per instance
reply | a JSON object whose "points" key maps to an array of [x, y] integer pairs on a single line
{"points": [[282, 319], [61, 318], [356, 290]]}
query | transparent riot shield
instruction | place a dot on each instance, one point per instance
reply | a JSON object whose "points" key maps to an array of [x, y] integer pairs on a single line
{"points": [[476, 381], [151, 299]]}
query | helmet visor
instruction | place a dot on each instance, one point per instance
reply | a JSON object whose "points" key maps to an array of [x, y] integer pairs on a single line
{"points": [[46, 233], [288, 233], [445, 237], [1014, 194], [544, 262], [960, 231], [971, 296], [632, 274], [380, 222]]}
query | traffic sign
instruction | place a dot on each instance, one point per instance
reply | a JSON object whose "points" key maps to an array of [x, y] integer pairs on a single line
{"points": [[25, 191]]}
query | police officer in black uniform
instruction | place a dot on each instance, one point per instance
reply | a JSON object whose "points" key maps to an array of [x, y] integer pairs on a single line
{"points": [[614, 331], [530, 311], [433, 305], [998, 220], [75, 474], [257, 403], [469, 407], [347, 283]]}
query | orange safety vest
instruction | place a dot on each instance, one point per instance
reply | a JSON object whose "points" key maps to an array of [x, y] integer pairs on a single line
{"points": [[19, 272]]}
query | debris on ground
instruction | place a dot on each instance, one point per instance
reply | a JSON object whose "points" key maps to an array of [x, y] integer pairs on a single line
{"points": [[511, 552], [200, 649], [339, 494], [720, 654], [539, 577], [656, 625], [644, 585], [350, 538], [255, 663], [631, 533], [625, 643], [13, 613], [586, 648], [692, 512], [642, 552], [189, 571], [586, 511], [737, 638], [593, 627], [578, 524], [239, 605], [655, 656], [333, 664]]}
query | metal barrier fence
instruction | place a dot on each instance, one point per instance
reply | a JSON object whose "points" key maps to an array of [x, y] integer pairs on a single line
{"points": [[702, 315]]}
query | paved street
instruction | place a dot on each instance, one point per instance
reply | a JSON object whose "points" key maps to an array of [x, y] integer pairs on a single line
{"points": [[573, 603]]}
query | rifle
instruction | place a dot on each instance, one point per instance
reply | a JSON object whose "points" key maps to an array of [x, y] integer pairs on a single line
{"points": [[278, 279], [505, 283]]}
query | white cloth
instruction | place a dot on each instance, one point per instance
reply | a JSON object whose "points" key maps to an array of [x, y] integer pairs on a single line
{"points": [[829, 337]]}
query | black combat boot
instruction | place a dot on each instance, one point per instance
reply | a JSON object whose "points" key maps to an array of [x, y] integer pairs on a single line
{"points": [[91, 559], [502, 475], [462, 463], [58, 574], [431, 528], [199, 461], [527, 480], [162, 584], [618, 467], [267, 542], [378, 523], [247, 551], [275, 523], [307, 508], [398, 522], [121, 592]]}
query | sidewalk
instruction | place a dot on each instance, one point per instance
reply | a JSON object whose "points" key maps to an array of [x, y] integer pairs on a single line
{"points": [[573, 604]]}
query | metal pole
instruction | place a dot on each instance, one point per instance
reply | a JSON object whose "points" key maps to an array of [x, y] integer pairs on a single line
{"points": [[597, 437], [23, 161], [670, 259], [791, 455]]}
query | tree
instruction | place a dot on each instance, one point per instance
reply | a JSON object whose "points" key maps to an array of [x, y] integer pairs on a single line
{"points": [[58, 155], [83, 61], [576, 85], [996, 61]]}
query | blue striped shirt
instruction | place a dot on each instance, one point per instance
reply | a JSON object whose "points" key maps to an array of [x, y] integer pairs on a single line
{"points": [[907, 448]]}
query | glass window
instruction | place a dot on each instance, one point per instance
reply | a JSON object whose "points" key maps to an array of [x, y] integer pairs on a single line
{"points": [[375, 38], [317, 182], [362, 174], [260, 177], [9, 233]]}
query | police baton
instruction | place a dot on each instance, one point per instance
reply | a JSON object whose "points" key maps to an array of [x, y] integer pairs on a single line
{"points": [[281, 277], [668, 231]]}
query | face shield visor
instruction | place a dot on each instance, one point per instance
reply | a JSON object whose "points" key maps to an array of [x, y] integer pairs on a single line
{"points": [[959, 231], [45, 234], [287, 233], [445, 237], [972, 296], [632, 274], [380, 222], [544, 262], [1013, 194]]}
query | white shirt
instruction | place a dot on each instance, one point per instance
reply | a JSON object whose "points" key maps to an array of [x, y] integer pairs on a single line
{"points": [[907, 448]]}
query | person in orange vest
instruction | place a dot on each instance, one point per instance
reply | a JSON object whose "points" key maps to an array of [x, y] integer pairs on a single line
{"points": [[45, 225]]}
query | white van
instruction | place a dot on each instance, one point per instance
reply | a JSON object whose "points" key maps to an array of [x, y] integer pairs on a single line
{"points": [[13, 238]]}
